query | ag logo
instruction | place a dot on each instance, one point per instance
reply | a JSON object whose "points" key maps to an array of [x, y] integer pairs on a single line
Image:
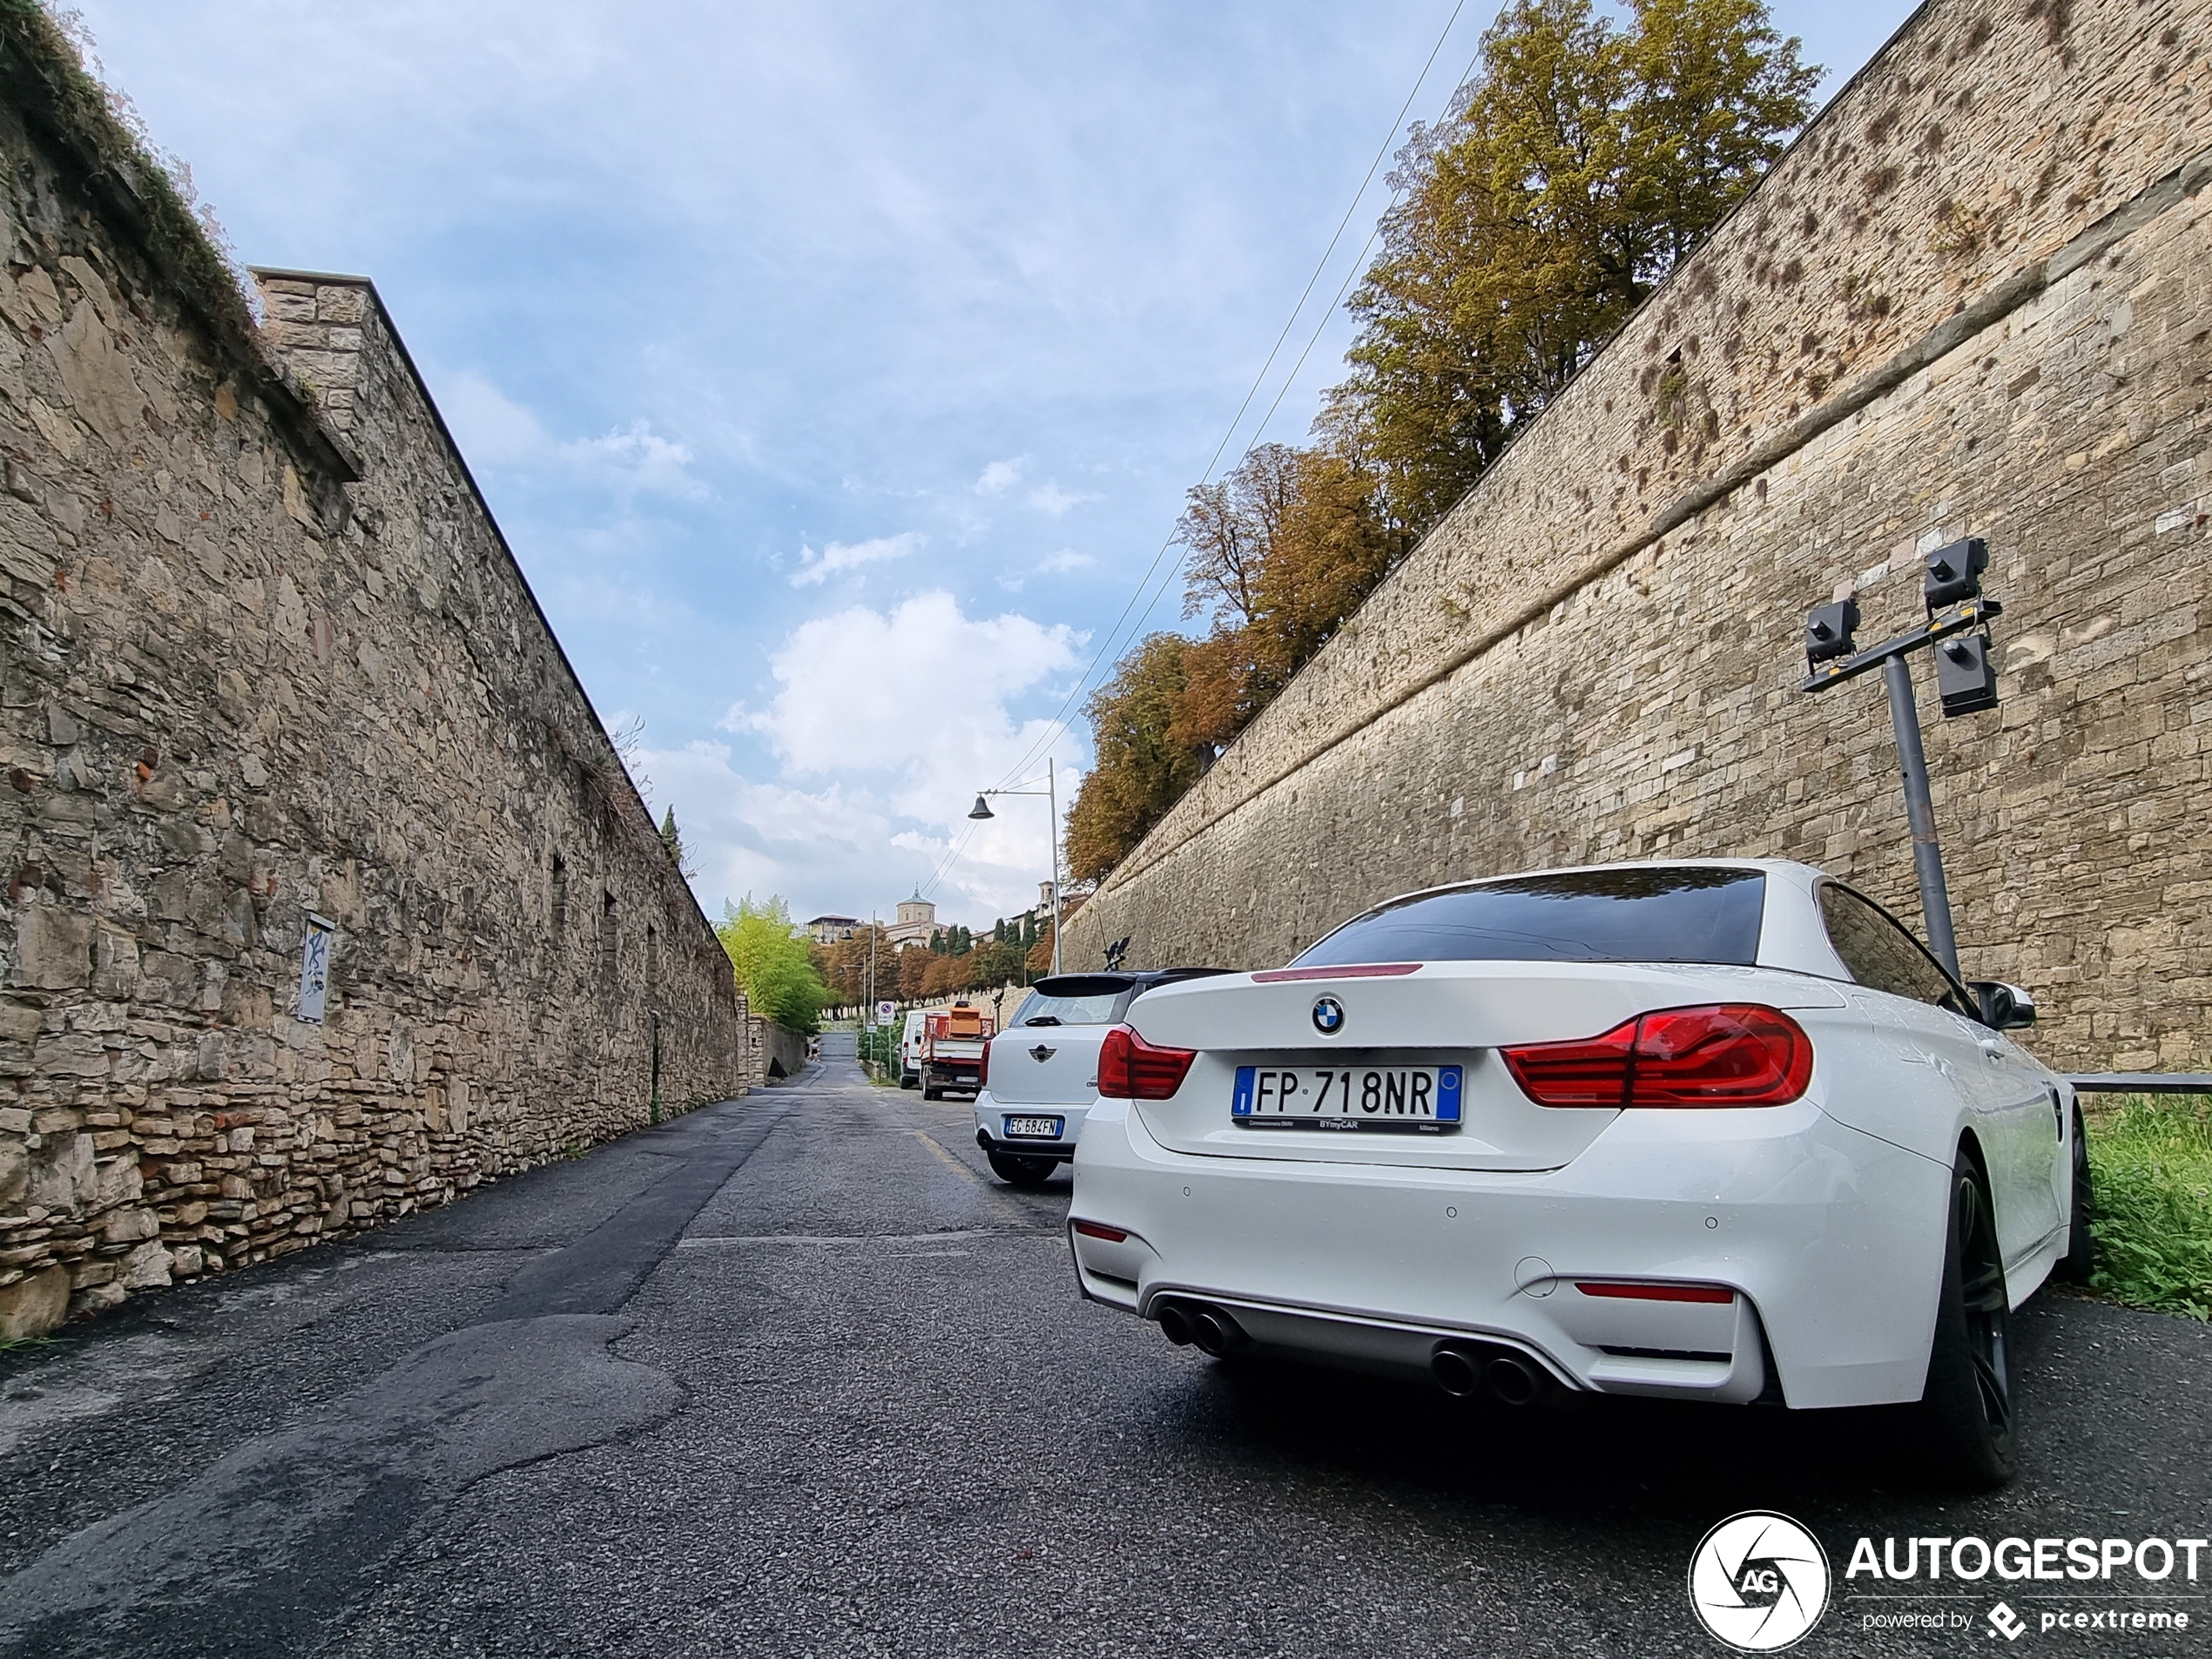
{"points": [[1328, 1016], [1759, 1581]]}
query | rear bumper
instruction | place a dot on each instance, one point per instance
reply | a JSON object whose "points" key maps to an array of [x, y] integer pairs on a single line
{"points": [[1831, 1241], [1056, 1152], [990, 1128]]}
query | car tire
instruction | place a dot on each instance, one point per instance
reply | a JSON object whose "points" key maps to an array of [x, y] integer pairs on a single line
{"points": [[905, 1081], [1018, 1171], [1966, 1408], [930, 1092], [2080, 1258]]}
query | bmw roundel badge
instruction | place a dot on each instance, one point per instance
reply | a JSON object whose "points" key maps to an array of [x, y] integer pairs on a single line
{"points": [[1328, 1015]]}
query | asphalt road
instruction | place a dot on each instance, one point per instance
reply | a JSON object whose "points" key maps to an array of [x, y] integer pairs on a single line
{"points": [[794, 1375]]}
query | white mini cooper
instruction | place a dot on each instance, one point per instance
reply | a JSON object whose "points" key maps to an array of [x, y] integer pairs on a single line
{"points": [[1715, 1130], [1040, 1073]]}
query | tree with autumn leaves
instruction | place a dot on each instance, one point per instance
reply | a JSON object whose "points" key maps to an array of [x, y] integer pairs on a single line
{"points": [[954, 958], [1582, 162]]}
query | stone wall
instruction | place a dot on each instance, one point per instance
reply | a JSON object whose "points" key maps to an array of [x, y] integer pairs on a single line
{"points": [[779, 1054], [265, 664], [1974, 300]]}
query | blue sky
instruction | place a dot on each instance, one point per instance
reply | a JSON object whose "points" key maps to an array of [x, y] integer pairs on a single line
{"points": [[834, 369]]}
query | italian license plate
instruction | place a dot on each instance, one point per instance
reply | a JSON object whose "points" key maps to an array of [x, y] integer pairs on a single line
{"points": [[1418, 1098], [1035, 1129]]}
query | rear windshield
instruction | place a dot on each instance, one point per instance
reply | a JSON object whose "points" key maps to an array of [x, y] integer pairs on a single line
{"points": [[1683, 914], [1099, 1009]]}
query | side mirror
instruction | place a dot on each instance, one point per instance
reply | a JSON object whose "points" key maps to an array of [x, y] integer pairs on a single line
{"points": [[2004, 1007]]}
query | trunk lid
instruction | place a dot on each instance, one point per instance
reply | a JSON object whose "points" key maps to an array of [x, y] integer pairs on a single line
{"points": [[1440, 1014], [1047, 1065]]}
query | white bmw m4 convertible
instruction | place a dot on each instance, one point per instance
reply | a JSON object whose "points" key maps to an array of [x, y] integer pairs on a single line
{"points": [[1716, 1130]]}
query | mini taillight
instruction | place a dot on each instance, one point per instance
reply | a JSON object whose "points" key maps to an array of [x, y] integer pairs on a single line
{"points": [[983, 1067], [1733, 1053], [1098, 1230], [1131, 1069]]}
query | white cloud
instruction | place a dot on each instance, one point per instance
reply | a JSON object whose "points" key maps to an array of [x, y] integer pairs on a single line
{"points": [[493, 430], [906, 711], [821, 849], [1000, 477], [910, 704], [850, 556], [489, 426], [639, 458], [1052, 500], [907, 688], [1065, 560]]}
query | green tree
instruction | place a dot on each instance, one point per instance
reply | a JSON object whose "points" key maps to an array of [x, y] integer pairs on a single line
{"points": [[1281, 552], [1138, 773], [1577, 168], [770, 959]]}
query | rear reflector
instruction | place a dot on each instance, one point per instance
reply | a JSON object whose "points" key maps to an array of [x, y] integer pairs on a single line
{"points": [[1354, 970], [1131, 1069], [1096, 1229], [1730, 1055], [1634, 1291]]}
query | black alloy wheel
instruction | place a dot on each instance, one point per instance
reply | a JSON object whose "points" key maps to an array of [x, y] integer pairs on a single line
{"points": [[1016, 1170], [2081, 1258], [1967, 1406]]}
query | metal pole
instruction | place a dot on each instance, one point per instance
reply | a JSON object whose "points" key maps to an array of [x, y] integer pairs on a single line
{"points": [[1919, 809], [1052, 804]]}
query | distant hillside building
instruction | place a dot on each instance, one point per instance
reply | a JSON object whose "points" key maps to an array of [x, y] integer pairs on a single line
{"points": [[831, 930], [917, 922]]}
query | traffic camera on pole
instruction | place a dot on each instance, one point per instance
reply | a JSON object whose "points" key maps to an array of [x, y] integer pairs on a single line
{"points": [[1958, 630], [1965, 677]]}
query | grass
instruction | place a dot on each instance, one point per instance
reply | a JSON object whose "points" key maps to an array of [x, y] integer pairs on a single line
{"points": [[2150, 1161]]}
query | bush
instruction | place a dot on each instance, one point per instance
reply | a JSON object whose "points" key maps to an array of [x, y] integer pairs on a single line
{"points": [[768, 957], [2150, 1160]]}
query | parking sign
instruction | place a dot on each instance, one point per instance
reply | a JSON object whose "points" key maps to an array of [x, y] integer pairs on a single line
{"points": [[884, 1011]]}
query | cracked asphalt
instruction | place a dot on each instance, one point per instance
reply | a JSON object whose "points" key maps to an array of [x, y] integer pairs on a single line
{"points": [[794, 1375]]}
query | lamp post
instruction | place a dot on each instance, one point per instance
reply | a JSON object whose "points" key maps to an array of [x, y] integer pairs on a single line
{"points": [[1958, 624], [1051, 793]]}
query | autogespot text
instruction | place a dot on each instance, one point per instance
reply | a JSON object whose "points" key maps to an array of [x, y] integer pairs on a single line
{"points": [[2079, 1559]]}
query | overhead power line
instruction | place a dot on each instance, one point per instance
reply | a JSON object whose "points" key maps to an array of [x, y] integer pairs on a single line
{"points": [[1058, 723]]}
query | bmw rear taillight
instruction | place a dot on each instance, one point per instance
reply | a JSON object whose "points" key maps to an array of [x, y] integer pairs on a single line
{"points": [[1131, 1069], [1732, 1054]]}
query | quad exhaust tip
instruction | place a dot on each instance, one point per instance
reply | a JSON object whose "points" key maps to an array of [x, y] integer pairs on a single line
{"points": [[1213, 1330], [1481, 1370]]}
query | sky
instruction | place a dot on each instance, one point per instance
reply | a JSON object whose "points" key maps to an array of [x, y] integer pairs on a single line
{"points": [[836, 370]]}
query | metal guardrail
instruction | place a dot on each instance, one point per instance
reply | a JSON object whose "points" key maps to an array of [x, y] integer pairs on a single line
{"points": [[2144, 1083]]}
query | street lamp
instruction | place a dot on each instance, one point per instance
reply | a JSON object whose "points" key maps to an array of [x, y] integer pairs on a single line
{"points": [[1957, 627], [1051, 793]]}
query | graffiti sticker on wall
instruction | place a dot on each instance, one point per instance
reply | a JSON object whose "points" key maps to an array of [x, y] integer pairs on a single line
{"points": [[314, 968]]}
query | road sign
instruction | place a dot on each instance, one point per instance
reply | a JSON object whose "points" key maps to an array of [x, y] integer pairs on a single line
{"points": [[884, 1011]]}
